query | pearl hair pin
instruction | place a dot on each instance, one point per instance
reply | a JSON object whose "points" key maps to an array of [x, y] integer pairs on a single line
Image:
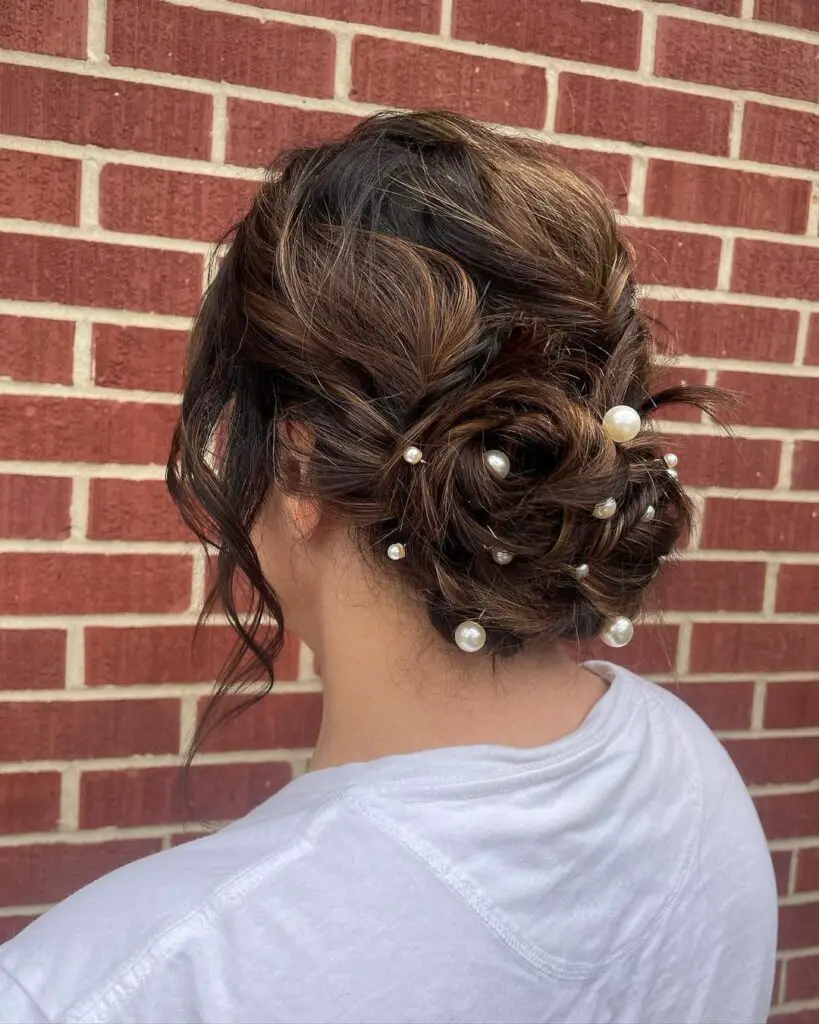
{"points": [[470, 636], [671, 462], [413, 455], [649, 514], [396, 552], [581, 571], [622, 423], [502, 556], [605, 509], [497, 463], [617, 632]]}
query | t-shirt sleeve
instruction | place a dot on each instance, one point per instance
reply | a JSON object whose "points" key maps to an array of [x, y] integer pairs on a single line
{"points": [[16, 1005]]}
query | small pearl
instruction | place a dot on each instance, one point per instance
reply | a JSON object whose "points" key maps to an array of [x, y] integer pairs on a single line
{"points": [[581, 571], [413, 455], [470, 636], [671, 460], [396, 552], [622, 423], [673, 474], [617, 632], [605, 509], [502, 556], [497, 463], [649, 514]]}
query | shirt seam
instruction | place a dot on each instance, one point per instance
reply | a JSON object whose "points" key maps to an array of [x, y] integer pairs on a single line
{"points": [[16, 981]]}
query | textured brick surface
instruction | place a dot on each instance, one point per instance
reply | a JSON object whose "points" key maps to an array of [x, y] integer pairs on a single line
{"points": [[802, 974], [768, 268], [777, 136], [753, 647], [572, 29], [288, 720], [29, 801], [104, 112], [795, 759], [728, 7], [79, 584], [676, 257], [153, 796], [788, 816], [797, 588], [766, 525], [716, 55], [32, 659], [44, 427], [35, 507], [208, 44], [146, 358], [806, 465], [410, 15], [81, 273], [728, 461], [717, 586], [257, 132], [712, 195], [45, 26], [36, 350], [722, 705], [727, 331], [607, 109], [799, 13], [35, 186], [134, 510], [792, 705], [768, 401], [402, 75]]}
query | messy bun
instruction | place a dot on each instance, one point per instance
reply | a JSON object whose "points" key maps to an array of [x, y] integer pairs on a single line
{"points": [[428, 282]]}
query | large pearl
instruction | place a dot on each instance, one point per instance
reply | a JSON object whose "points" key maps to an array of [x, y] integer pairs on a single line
{"points": [[581, 571], [622, 423], [413, 455], [396, 552], [617, 632], [605, 509], [470, 636], [671, 460], [649, 513], [502, 556], [497, 463]]}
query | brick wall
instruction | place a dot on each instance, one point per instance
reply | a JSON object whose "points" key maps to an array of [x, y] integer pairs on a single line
{"points": [[130, 135]]}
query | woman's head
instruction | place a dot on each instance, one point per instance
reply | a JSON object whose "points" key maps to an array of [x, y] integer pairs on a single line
{"points": [[426, 281]]}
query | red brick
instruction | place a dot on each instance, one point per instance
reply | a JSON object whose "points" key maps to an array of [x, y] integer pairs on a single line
{"points": [[774, 135], [803, 980], [45, 26], [653, 650], [762, 761], [35, 186], [134, 510], [714, 195], [696, 51], [611, 171], [671, 376], [782, 868], [85, 430], [32, 659], [721, 705], [147, 358], [423, 16], [11, 926], [156, 202], [47, 872], [572, 29], [792, 704], [772, 268], [155, 796], [711, 586], [754, 647], [35, 507], [728, 7], [607, 109], [799, 13], [767, 401], [258, 131], [726, 331], [221, 47], [798, 588], [788, 815], [807, 870], [727, 461], [403, 75], [800, 1017], [82, 273], [280, 720], [104, 112], [812, 353], [806, 466], [167, 654], [761, 525], [188, 835], [676, 257], [29, 801], [799, 927], [36, 350], [81, 584], [78, 729]]}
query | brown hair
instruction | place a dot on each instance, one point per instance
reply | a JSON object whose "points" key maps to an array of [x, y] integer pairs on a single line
{"points": [[428, 281]]}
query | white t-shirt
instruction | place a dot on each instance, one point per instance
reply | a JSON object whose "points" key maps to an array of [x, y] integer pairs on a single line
{"points": [[618, 874]]}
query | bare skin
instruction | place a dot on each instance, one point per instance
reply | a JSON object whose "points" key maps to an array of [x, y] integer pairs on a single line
{"points": [[392, 685]]}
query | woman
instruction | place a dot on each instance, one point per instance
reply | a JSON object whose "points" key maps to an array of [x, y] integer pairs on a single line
{"points": [[416, 419]]}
